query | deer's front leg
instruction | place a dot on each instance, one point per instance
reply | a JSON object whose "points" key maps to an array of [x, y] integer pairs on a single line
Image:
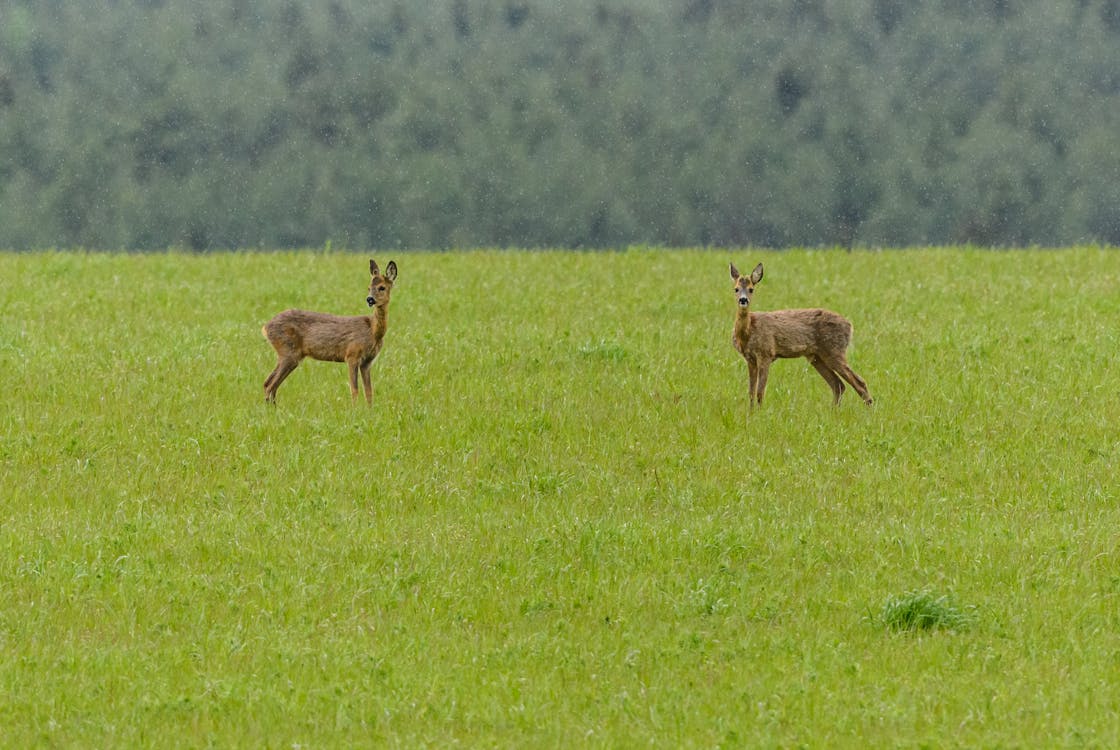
{"points": [[763, 373], [365, 381], [752, 367], [353, 365]]}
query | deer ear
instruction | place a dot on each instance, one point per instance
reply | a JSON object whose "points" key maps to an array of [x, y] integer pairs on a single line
{"points": [[756, 274], [391, 271], [734, 273], [373, 269]]}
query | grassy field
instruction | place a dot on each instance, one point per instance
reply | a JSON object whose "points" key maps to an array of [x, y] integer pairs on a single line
{"points": [[558, 525]]}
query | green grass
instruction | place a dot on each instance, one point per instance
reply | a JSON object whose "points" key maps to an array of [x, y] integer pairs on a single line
{"points": [[558, 526], [922, 610]]}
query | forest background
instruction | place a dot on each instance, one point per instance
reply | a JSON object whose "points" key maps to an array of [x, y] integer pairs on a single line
{"points": [[219, 124]]}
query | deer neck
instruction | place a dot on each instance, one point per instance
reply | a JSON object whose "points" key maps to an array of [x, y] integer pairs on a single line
{"points": [[743, 323], [379, 321]]}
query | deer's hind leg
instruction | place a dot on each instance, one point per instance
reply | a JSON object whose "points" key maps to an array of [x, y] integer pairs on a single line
{"points": [[840, 365], [284, 368], [272, 375], [270, 378], [830, 377]]}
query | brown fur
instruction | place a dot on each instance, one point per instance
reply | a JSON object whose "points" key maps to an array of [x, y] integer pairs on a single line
{"points": [[821, 336], [355, 340]]}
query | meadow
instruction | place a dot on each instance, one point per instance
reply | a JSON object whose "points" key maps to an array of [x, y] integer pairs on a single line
{"points": [[558, 525]]}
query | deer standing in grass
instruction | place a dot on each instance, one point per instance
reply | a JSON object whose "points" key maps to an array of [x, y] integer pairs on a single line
{"points": [[821, 336], [355, 339]]}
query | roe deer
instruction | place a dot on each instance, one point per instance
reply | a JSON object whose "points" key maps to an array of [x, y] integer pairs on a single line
{"points": [[355, 339], [821, 336]]}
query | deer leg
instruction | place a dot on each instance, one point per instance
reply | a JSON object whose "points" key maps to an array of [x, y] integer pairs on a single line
{"points": [[365, 381], [840, 365], [270, 378], [283, 369], [833, 380], [353, 365], [752, 368], [763, 373]]}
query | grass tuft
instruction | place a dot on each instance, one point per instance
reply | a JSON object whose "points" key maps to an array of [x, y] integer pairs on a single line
{"points": [[923, 610]]}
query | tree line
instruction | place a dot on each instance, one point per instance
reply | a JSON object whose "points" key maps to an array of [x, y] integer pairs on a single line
{"points": [[215, 124]]}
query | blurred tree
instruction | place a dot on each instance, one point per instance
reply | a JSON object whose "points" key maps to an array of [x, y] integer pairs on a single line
{"points": [[223, 123]]}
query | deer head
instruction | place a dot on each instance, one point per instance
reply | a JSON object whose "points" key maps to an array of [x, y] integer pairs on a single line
{"points": [[380, 286], [744, 285]]}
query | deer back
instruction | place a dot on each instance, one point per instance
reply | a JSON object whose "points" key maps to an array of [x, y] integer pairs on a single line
{"points": [[797, 333], [322, 336]]}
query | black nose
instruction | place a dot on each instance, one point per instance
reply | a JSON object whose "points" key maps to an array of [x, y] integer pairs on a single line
{"points": [[744, 300], [369, 301]]}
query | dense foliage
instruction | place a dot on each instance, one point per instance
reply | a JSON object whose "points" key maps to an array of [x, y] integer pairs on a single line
{"points": [[232, 123]]}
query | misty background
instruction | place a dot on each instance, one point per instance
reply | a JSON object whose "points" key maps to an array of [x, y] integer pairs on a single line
{"points": [[222, 124]]}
